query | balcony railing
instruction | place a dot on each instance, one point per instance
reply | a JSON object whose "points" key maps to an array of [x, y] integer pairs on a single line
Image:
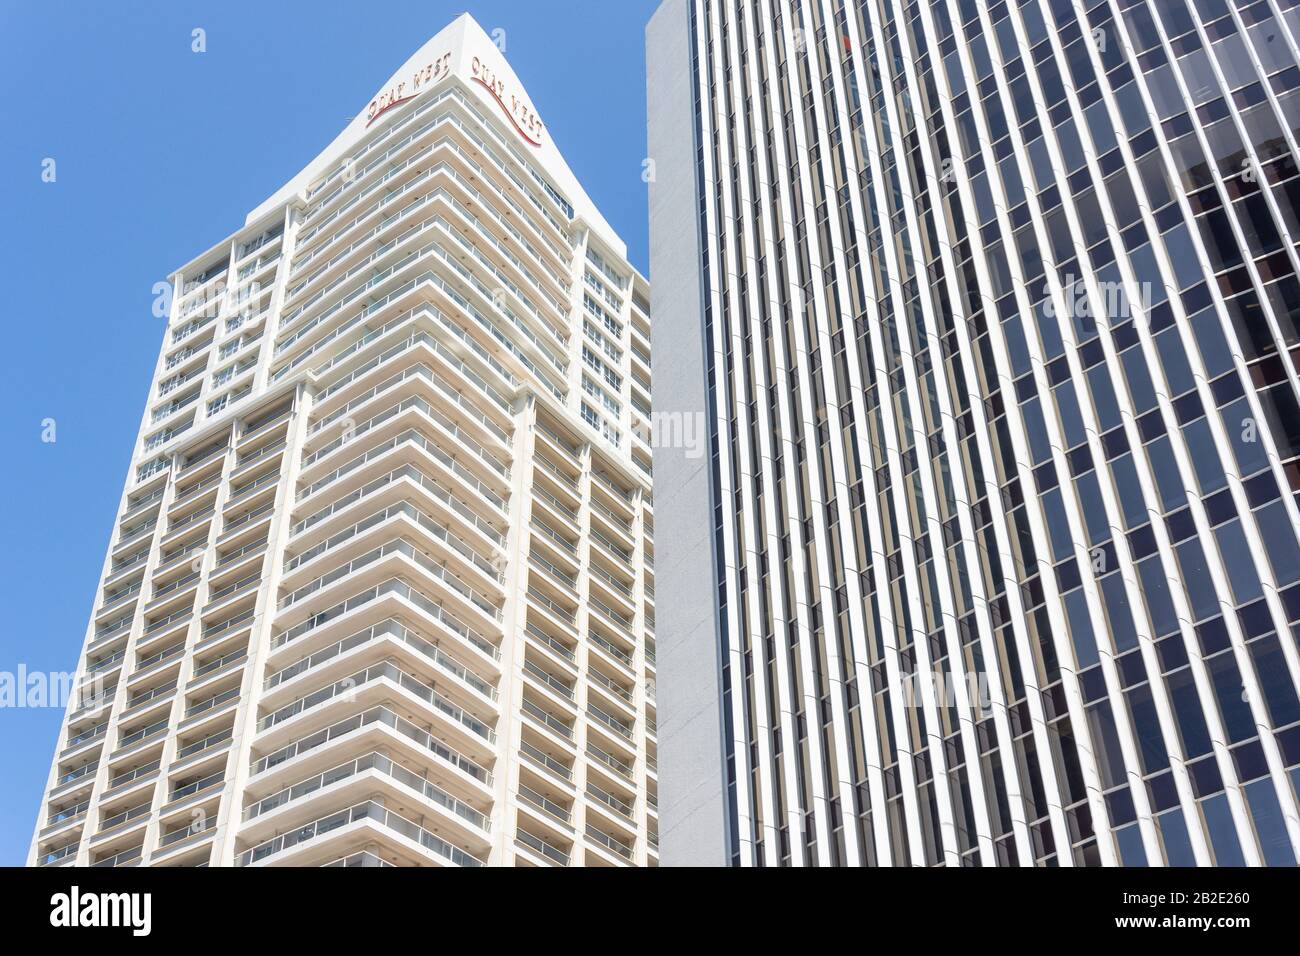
{"points": [[123, 858], [613, 723], [402, 589], [67, 814], [382, 765], [126, 816], [554, 723], [562, 613], [144, 733], [607, 841], [212, 703], [52, 857], [86, 736], [350, 685], [545, 760], [398, 632], [438, 530], [621, 807], [376, 715], [609, 760], [558, 647], [199, 746], [549, 807], [616, 652], [431, 485], [130, 776], [365, 811], [538, 845], [197, 786], [415, 438], [554, 683]]}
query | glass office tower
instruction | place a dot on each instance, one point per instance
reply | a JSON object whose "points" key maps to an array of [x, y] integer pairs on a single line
{"points": [[991, 313], [380, 591]]}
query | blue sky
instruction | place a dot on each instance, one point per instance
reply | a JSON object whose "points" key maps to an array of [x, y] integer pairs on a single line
{"points": [[159, 153]]}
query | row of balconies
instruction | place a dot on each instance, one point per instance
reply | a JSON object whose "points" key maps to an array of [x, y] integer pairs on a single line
{"points": [[415, 143], [125, 802]]}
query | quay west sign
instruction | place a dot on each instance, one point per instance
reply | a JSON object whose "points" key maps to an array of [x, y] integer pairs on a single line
{"points": [[521, 114], [399, 93]]}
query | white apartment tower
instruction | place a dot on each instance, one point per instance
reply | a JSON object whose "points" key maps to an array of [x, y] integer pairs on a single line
{"points": [[381, 587]]}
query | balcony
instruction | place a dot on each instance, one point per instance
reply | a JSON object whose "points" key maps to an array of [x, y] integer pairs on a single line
{"points": [[431, 485], [540, 758], [385, 671], [553, 724], [155, 729], [186, 831], [550, 683], [610, 686], [246, 520], [212, 703], [542, 847], [154, 627], [363, 859], [400, 588], [545, 805], [613, 723], [66, 815], [606, 759], [451, 392], [403, 509], [368, 812], [83, 773], [123, 858], [617, 550], [540, 492], [192, 788], [555, 646], [621, 807], [171, 588], [605, 577], [560, 575], [558, 612], [376, 716], [267, 481], [121, 819], [563, 477], [550, 534], [128, 777], [59, 856], [617, 653], [217, 666], [621, 621], [415, 439], [150, 696], [383, 766], [570, 450], [104, 664], [86, 736], [201, 746], [603, 839], [387, 629], [218, 629]]}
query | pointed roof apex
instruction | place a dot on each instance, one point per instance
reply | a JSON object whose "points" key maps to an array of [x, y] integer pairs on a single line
{"points": [[464, 53]]}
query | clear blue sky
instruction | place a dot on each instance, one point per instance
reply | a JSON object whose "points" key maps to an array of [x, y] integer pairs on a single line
{"points": [[160, 153]]}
